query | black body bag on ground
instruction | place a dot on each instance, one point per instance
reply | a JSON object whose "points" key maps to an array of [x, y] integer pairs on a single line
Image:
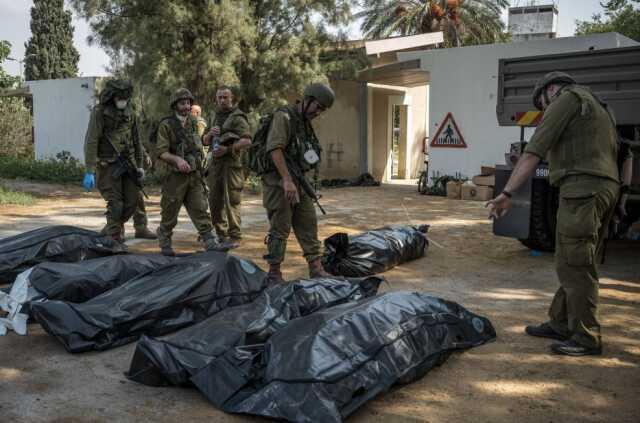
{"points": [[74, 282], [322, 367], [174, 296], [374, 251], [52, 243], [80, 282], [172, 360]]}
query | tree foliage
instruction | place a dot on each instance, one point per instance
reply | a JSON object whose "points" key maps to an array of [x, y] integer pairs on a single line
{"points": [[15, 115], [6, 80], [268, 49], [622, 16], [463, 22], [50, 53]]}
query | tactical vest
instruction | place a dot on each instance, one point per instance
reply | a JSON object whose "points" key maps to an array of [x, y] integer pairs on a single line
{"points": [[588, 144], [302, 138], [119, 127], [187, 142], [224, 122]]}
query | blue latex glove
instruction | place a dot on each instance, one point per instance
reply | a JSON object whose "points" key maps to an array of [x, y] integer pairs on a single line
{"points": [[89, 181]]}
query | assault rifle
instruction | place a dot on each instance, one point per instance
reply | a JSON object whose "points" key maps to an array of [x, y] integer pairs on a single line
{"points": [[125, 166], [299, 177]]}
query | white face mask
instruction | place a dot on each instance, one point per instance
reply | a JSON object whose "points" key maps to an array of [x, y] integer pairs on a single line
{"points": [[121, 104]]}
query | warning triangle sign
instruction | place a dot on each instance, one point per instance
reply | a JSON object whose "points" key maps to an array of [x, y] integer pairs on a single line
{"points": [[448, 134]]}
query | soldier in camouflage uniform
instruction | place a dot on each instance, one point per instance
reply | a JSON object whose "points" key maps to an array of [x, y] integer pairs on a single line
{"points": [[140, 220], [577, 135], [228, 136], [179, 147], [292, 142], [114, 120]]}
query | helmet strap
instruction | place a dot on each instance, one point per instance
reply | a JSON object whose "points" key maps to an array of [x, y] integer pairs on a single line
{"points": [[306, 102]]}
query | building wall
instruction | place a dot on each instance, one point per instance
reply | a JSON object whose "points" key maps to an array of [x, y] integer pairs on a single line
{"points": [[464, 82], [61, 111], [338, 132], [380, 132], [417, 130]]}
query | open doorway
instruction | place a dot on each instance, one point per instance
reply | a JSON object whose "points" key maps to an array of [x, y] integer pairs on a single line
{"points": [[398, 147], [397, 119]]}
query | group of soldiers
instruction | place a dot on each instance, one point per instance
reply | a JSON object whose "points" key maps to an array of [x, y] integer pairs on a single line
{"points": [[577, 136], [116, 162]]}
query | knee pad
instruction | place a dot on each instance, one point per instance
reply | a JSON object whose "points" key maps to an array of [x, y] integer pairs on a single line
{"points": [[276, 249]]}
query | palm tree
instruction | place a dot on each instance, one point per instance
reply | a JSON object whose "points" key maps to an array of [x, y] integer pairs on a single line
{"points": [[463, 22]]}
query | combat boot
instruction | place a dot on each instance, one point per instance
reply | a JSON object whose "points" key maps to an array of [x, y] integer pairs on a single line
{"points": [[165, 244], [316, 270], [274, 276], [145, 233], [212, 243], [167, 250], [103, 231]]}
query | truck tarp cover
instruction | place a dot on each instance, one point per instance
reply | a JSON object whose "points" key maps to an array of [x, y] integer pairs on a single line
{"points": [[52, 243], [74, 282], [176, 357], [324, 366], [179, 294], [375, 251]]}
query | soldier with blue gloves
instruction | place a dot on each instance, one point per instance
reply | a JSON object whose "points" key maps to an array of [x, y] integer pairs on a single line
{"points": [[113, 132]]}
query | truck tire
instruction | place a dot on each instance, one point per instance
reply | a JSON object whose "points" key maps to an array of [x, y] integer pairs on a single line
{"points": [[544, 207]]}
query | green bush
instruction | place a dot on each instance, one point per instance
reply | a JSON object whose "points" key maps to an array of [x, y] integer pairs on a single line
{"points": [[15, 197], [63, 169], [15, 127]]}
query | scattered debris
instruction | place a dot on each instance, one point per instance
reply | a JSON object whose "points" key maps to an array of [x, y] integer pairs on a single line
{"points": [[364, 180]]}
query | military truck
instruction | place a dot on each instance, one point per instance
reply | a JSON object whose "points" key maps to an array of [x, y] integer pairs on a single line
{"points": [[614, 76]]}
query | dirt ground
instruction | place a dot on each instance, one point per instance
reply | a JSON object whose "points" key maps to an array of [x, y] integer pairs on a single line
{"points": [[514, 379]]}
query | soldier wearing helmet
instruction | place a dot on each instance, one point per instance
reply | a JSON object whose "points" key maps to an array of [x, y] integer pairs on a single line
{"points": [[113, 130], [178, 145], [229, 135], [577, 136], [291, 141]]}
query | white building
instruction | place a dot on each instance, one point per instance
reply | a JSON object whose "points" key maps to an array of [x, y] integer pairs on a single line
{"points": [[460, 83], [61, 111]]}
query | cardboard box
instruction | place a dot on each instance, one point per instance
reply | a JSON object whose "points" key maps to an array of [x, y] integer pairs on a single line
{"points": [[477, 193], [487, 170], [484, 180], [453, 190]]}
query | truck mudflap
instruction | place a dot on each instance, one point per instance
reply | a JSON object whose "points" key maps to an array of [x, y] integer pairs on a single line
{"points": [[532, 219]]}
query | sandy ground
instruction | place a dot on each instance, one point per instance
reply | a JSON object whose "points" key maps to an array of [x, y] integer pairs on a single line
{"points": [[515, 379]]}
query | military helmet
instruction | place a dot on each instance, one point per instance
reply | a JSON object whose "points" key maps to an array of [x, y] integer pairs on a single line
{"points": [[322, 93], [545, 81], [116, 88], [181, 94]]}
